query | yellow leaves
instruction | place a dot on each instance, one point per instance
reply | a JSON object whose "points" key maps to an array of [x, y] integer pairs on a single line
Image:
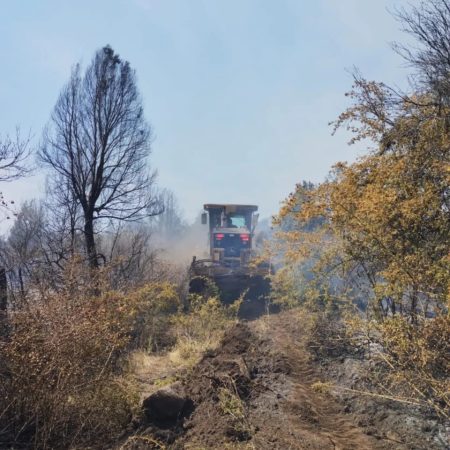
{"points": [[388, 211], [423, 346]]}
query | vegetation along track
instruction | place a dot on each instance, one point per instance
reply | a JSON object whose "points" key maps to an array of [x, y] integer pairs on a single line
{"points": [[258, 390]]}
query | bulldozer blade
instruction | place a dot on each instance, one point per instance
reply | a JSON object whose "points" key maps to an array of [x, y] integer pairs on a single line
{"points": [[254, 290]]}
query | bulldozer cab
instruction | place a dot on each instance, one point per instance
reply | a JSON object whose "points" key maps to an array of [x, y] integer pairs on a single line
{"points": [[231, 229]]}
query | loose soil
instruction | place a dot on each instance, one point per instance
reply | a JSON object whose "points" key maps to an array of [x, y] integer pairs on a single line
{"points": [[256, 391]]}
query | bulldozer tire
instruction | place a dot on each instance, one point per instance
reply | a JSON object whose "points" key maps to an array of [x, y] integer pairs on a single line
{"points": [[197, 285]]}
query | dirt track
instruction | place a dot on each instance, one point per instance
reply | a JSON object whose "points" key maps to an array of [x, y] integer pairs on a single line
{"points": [[305, 419], [266, 366]]}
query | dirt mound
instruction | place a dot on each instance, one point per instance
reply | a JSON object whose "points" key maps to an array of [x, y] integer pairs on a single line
{"points": [[221, 386]]}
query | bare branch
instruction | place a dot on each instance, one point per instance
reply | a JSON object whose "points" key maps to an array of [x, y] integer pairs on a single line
{"points": [[14, 151]]}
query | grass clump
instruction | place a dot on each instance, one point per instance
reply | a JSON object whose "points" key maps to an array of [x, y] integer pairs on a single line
{"points": [[201, 328], [231, 405]]}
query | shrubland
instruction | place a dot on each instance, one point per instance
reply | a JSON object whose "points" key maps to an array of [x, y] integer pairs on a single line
{"points": [[66, 377], [367, 252], [63, 381]]}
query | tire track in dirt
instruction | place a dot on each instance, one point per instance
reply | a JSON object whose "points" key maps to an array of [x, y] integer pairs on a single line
{"points": [[304, 418]]}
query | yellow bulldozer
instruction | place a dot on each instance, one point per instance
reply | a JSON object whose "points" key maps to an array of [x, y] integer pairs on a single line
{"points": [[232, 264]]}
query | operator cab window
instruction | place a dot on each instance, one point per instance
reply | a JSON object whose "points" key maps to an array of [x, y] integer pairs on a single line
{"points": [[236, 221]]}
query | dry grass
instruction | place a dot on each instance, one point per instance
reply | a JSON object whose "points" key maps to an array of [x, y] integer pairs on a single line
{"points": [[416, 360], [411, 359], [194, 332], [321, 387], [201, 329]]}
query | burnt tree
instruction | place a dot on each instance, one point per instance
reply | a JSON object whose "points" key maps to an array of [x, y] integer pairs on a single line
{"points": [[14, 153], [98, 143]]}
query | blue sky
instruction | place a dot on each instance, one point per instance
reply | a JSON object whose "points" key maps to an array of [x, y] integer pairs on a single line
{"points": [[239, 92]]}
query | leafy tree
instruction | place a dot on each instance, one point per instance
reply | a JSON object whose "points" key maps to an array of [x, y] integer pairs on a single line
{"points": [[388, 214], [385, 234]]}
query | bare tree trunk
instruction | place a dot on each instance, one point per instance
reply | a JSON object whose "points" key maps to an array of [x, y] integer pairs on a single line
{"points": [[3, 303], [91, 248], [21, 284]]}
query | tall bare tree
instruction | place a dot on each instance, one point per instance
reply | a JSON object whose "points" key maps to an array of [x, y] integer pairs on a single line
{"points": [[428, 24], [98, 142]]}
